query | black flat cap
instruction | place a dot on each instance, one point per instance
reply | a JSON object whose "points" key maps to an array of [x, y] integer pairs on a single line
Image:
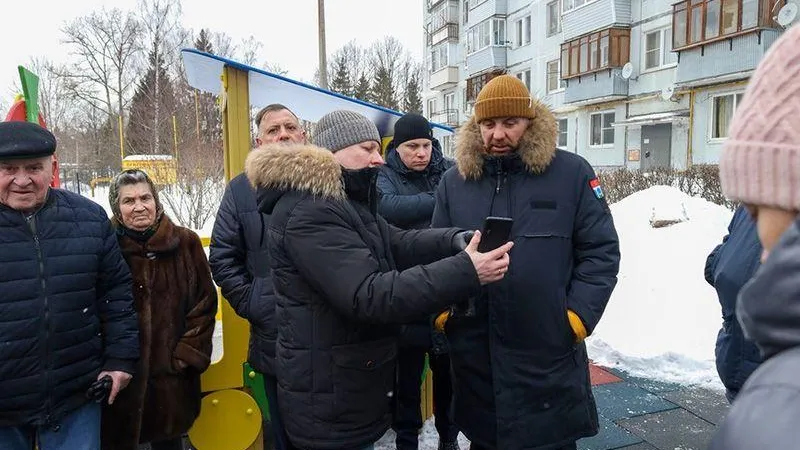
{"points": [[25, 140]]}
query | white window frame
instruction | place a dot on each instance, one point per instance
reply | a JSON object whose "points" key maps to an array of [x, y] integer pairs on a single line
{"points": [[737, 97], [571, 5], [525, 77], [558, 4], [440, 53], [432, 106], [665, 48], [602, 114], [565, 132], [561, 83], [523, 31], [495, 35]]}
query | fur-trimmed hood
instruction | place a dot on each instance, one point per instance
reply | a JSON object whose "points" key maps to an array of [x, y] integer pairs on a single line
{"points": [[307, 168], [536, 148]]}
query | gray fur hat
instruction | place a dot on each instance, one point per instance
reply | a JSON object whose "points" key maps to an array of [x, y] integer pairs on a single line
{"points": [[339, 129]]}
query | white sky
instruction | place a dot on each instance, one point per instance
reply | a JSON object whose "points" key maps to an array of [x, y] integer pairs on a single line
{"points": [[287, 28]]}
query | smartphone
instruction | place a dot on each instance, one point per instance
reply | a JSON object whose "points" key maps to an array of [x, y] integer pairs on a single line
{"points": [[496, 232]]}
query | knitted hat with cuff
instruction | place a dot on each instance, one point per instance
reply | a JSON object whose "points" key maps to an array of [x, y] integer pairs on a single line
{"points": [[504, 96], [339, 129], [760, 161]]}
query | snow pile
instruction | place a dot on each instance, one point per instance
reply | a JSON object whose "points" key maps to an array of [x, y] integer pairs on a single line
{"points": [[663, 318]]}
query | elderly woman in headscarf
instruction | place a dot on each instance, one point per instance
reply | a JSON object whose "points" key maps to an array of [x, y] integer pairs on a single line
{"points": [[176, 303]]}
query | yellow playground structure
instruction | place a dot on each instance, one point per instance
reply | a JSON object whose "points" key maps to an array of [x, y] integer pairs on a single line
{"points": [[234, 399]]}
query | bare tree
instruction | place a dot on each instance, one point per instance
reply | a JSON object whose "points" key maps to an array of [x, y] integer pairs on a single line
{"points": [[105, 45], [55, 103], [195, 196]]}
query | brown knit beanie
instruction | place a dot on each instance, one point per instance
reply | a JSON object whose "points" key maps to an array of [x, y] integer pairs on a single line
{"points": [[760, 162], [504, 96]]}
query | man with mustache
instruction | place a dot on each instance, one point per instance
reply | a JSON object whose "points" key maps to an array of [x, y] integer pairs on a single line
{"points": [[66, 309], [521, 373]]}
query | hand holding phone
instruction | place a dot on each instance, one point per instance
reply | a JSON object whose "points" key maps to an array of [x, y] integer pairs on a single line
{"points": [[496, 232]]}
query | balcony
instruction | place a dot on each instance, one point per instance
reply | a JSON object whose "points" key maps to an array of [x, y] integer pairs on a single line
{"points": [[723, 47], [596, 15], [433, 3], [447, 117], [485, 9], [447, 33], [485, 59], [596, 87], [476, 83], [444, 78]]}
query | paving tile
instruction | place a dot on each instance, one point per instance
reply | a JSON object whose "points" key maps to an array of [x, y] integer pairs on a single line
{"points": [[601, 376], [654, 386], [677, 429], [622, 400], [610, 436], [709, 405]]}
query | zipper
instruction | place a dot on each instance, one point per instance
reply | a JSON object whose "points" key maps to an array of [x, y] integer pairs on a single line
{"points": [[47, 344]]}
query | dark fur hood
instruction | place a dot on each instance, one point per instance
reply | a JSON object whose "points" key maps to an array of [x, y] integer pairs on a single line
{"points": [[536, 148]]}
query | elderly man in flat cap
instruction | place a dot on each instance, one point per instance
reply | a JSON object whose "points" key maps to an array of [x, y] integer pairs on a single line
{"points": [[66, 311]]}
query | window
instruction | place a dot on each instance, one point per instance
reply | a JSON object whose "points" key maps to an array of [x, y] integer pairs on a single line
{"points": [[489, 32], [722, 114], [554, 81], [443, 14], [656, 51], [466, 11], [439, 57], [569, 5], [596, 51], [563, 126], [525, 77], [696, 22], [432, 108], [554, 17], [523, 27], [602, 133]]}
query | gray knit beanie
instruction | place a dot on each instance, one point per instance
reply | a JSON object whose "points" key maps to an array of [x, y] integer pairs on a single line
{"points": [[339, 129]]}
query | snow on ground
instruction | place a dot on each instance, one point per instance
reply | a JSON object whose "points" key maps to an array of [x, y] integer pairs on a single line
{"points": [[663, 318]]}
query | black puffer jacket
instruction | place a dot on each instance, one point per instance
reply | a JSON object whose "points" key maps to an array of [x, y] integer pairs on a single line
{"points": [[66, 309], [407, 201], [335, 271], [240, 263]]}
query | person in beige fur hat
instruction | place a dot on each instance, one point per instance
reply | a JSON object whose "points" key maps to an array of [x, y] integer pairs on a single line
{"points": [[521, 373], [760, 167]]}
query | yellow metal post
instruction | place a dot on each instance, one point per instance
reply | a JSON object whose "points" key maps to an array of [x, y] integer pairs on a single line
{"points": [[227, 372], [121, 145]]}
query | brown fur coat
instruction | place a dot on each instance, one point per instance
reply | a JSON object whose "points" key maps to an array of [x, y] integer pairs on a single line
{"points": [[176, 302]]}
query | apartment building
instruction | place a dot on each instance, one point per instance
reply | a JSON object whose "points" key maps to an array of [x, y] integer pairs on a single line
{"points": [[634, 83]]}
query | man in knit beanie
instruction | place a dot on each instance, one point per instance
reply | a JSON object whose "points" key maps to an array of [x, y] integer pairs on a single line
{"points": [[344, 279], [760, 167], [520, 367], [406, 183]]}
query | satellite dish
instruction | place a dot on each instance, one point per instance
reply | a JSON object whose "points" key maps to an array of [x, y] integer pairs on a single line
{"points": [[667, 93], [786, 15], [627, 70]]}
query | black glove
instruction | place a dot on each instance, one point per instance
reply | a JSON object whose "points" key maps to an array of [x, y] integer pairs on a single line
{"points": [[100, 389], [461, 240]]}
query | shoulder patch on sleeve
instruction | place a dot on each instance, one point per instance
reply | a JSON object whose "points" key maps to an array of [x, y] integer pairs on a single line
{"points": [[594, 184]]}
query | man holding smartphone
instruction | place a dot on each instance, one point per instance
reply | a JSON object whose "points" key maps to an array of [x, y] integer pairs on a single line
{"points": [[521, 372]]}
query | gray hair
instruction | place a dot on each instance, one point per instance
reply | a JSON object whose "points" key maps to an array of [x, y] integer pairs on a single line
{"points": [[130, 177]]}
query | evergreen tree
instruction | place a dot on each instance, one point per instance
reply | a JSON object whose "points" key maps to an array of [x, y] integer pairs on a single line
{"points": [[341, 82], [413, 100], [203, 43], [149, 133], [382, 92], [362, 90]]}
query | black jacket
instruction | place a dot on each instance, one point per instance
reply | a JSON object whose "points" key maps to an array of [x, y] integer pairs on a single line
{"points": [[764, 415], [407, 201], [335, 267], [240, 264], [519, 379], [728, 268], [66, 309]]}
